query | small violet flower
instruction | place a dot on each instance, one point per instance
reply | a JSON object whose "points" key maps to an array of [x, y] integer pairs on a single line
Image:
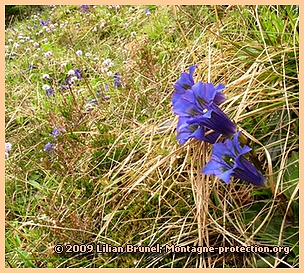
{"points": [[48, 90], [117, 80], [48, 146], [77, 73], [48, 54], [93, 101], [85, 8], [8, 146], [55, 133], [44, 23], [101, 94], [106, 87], [63, 87], [79, 52], [228, 160]]}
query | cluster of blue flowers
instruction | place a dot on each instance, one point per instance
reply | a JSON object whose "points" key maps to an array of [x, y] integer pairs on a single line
{"points": [[197, 106]]}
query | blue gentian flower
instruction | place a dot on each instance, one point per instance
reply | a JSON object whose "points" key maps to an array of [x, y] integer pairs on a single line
{"points": [[198, 106], [227, 160], [48, 146]]}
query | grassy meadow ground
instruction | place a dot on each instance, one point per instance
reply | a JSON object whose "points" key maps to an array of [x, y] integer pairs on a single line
{"points": [[115, 173]]}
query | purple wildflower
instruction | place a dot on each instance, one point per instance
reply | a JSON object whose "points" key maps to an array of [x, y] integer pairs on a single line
{"points": [[146, 11], [45, 23], [55, 133], [85, 8], [199, 111], [48, 146], [8, 146], [117, 80], [77, 72], [228, 160], [49, 92]]}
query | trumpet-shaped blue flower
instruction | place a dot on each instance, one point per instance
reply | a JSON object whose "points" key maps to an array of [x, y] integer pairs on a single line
{"points": [[198, 105], [227, 160], [186, 82]]}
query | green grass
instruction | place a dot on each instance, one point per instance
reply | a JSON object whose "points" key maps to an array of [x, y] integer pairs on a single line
{"points": [[114, 174]]}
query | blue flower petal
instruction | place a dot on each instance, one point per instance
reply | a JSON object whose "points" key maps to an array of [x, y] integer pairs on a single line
{"points": [[225, 176], [219, 97], [186, 79]]}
